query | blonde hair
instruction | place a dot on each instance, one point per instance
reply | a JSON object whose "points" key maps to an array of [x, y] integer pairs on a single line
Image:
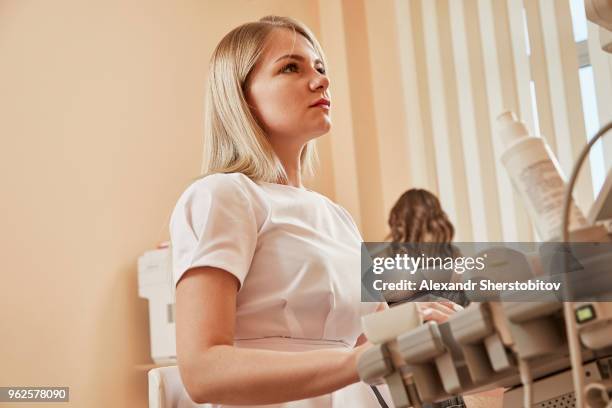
{"points": [[233, 140]]}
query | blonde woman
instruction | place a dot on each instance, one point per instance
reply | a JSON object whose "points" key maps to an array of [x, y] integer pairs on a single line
{"points": [[267, 272]]}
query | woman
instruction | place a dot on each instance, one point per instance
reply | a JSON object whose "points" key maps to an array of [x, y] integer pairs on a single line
{"points": [[417, 216], [419, 225], [267, 272]]}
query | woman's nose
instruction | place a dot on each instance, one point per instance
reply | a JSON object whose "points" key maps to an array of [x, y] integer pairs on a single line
{"points": [[319, 82]]}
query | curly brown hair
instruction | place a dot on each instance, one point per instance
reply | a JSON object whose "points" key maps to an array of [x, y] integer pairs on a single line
{"points": [[417, 217], [417, 221]]}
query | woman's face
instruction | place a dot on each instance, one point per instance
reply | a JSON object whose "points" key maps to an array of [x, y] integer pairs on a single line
{"points": [[288, 90]]}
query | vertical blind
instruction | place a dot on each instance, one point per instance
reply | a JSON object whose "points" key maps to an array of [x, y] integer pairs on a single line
{"points": [[441, 72]]}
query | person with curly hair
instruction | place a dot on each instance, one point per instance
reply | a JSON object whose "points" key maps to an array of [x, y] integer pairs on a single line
{"points": [[418, 225]]}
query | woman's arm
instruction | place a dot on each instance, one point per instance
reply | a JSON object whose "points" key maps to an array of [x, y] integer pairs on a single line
{"points": [[215, 371], [487, 399]]}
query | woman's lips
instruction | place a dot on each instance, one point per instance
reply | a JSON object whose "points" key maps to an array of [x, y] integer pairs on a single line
{"points": [[321, 103]]}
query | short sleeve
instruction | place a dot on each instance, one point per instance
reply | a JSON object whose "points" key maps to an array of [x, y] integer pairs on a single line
{"points": [[213, 224]]}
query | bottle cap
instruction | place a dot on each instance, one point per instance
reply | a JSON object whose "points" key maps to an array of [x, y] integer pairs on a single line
{"points": [[510, 129]]}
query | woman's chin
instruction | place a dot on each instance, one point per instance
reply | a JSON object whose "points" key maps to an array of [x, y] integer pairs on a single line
{"points": [[322, 131], [325, 127]]}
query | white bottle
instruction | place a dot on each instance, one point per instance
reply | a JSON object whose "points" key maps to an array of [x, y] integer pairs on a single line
{"points": [[537, 176]]}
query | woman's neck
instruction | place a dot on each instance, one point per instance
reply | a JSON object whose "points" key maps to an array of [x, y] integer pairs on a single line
{"points": [[290, 159], [294, 176]]}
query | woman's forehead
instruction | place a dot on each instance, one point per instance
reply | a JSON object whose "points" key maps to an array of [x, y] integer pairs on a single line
{"points": [[282, 42]]}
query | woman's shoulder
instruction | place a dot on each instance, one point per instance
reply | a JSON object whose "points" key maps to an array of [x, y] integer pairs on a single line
{"points": [[222, 188], [223, 184], [222, 179], [221, 193]]}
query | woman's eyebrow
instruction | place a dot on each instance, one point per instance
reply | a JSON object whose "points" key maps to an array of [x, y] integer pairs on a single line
{"points": [[296, 57]]}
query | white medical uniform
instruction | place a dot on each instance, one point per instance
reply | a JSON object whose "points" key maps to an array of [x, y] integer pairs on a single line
{"points": [[296, 255]]}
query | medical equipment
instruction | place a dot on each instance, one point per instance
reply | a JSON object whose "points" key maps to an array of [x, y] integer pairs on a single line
{"points": [[569, 308], [600, 13], [601, 209], [481, 348], [536, 176], [155, 285], [550, 354]]}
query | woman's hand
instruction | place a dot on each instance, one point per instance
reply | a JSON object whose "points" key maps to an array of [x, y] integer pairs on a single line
{"points": [[437, 311], [356, 352]]}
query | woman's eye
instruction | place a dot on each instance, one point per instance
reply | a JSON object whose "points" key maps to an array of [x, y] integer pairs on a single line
{"points": [[291, 67], [321, 70]]}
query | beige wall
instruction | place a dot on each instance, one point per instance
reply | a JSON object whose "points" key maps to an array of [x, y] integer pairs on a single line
{"points": [[101, 121]]}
